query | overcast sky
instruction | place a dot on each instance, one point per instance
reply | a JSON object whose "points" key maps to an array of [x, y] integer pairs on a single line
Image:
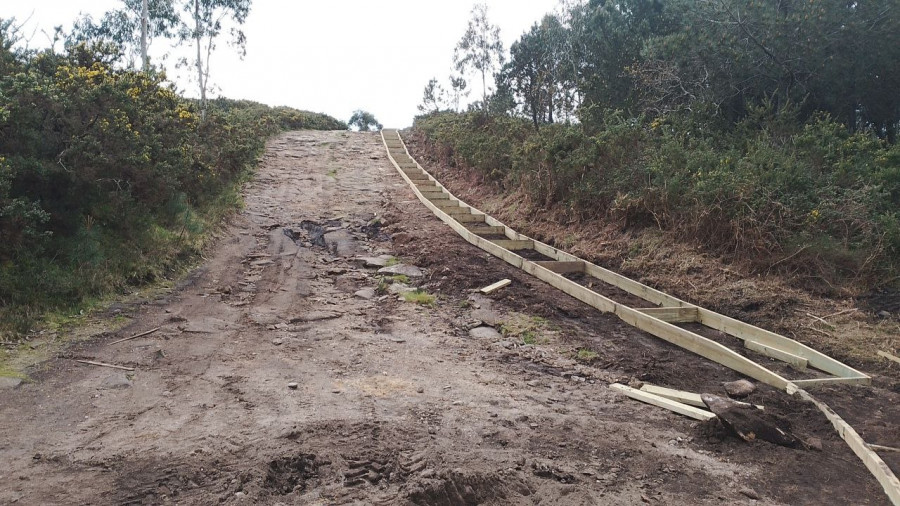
{"points": [[334, 56]]}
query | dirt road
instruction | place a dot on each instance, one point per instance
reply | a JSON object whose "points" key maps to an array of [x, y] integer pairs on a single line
{"points": [[277, 378]]}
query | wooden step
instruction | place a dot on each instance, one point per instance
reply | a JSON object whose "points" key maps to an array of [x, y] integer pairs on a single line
{"points": [[469, 218], [513, 245]]}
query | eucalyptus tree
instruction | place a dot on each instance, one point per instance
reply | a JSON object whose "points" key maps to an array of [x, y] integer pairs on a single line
{"points": [[480, 50], [133, 27], [203, 24]]}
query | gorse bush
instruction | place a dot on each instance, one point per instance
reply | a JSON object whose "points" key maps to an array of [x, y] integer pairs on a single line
{"points": [[806, 198], [108, 177]]}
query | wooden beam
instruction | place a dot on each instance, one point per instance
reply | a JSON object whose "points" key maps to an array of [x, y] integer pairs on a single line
{"points": [[748, 332], [681, 396], [789, 358], [662, 402], [689, 398], [455, 209], [888, 356], [633, 287], [496, 286], [444, 203], [563, 267], [470, 218], [436, 196], [834, 380], [872, 461], [672, 314], [513, 245], [488, 230]]}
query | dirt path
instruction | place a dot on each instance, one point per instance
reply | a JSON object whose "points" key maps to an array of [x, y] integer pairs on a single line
{"points": [[271, 381]]}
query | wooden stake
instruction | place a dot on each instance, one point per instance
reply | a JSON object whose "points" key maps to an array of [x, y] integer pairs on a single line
{"points": [[496, 286], [101, 364], [142, 334]]}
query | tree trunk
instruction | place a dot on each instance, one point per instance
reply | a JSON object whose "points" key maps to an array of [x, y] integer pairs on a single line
{"points": [[202, 81], [145, 21], [483, 91]]}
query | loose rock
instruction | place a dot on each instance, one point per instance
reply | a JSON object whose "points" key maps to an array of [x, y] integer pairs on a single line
{"points": [[749, 492], [484, 333], [365, 293], [9, 383], [115, 381], [740, 388], [292, 385]]}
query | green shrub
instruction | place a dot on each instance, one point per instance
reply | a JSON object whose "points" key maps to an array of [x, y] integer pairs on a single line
{"points": [[810, 199]]}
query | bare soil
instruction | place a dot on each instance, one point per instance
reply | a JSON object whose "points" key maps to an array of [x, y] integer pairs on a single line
{"points": [[271, 381]]}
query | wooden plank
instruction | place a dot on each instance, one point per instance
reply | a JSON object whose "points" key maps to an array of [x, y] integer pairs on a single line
{"points": [[681, 396], [470, 218], [445, 203], [789, 358], [436, 196], [633, 287], [455, 210], [563, 267], [513, 245], [872, 461], [488, 230], [672, 314], [748, 332], [834, 380], [496, 286], [689, 398], [662, 402], [888, 356]]}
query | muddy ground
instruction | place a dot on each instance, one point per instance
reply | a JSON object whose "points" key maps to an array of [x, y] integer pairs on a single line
{"points": [[276, 378]]}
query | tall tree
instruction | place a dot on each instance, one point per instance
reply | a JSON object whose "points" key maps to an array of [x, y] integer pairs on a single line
{"points": [[539, 72], [204, 22], [133, 27], [480, 49]]}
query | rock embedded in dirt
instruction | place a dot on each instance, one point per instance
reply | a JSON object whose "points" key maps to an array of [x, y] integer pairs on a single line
{"points": [[293, 385], [379, 261], [487, 316], [402, 269], [484, 333], [315, 316], [750, 423], [115, 381], [9, 383], [740, 388], [750, 493], [400, 288], [365, 293]]}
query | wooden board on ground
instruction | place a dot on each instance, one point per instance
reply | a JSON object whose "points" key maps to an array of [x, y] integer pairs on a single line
{"points": [[888, 356], [496, 286], [662, 402]]}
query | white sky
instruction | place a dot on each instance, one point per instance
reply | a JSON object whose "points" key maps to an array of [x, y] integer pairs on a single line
{"points": [[333, 56]]}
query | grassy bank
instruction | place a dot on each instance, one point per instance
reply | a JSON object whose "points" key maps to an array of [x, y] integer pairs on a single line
{"points": [[806, 199]]}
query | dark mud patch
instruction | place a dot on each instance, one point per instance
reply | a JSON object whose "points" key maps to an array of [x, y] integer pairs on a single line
{"points": [[286, 475], [462, 488]]}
